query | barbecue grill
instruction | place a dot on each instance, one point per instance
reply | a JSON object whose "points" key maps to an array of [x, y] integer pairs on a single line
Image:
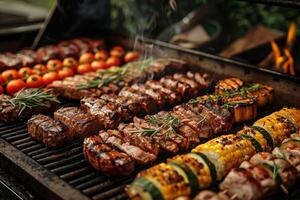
{"points": [[63, 173]]}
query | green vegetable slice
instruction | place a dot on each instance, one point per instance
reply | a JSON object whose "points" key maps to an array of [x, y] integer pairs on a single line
{"points": [[266, 135], [149, 187], [254, 142]]}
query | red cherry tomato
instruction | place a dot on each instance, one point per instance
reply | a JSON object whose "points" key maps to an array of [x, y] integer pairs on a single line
{"points": [[118, 48], [70, 62], [50, 77], [101, 55], [84, 68], [113, 61], [34, 81], [10, 74], [116, 53], [65, 72], [24, 72], [2, 79], [39, 69], [132, 56], [54, 65], [1, 89], [86, 58], [98, 64], [14, 86]]}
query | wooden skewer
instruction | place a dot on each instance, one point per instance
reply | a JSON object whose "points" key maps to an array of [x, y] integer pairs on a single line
{"points": [[284, 189], [234, 196]]}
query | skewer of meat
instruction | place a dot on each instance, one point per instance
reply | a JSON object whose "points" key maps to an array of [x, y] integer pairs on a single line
{"points": [[216, 158]]}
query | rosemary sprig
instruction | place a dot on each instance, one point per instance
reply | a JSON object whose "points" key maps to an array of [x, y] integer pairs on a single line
{"points": [[116, 74], [28, 99], [168, 122]]}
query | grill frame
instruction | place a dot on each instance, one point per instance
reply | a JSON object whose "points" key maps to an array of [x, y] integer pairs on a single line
{"points": [[27, 160]]}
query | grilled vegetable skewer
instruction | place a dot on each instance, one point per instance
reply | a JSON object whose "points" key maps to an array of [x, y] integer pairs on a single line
{"points": [[220, 155]]}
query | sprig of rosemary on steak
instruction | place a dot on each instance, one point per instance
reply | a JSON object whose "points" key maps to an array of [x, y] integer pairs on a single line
{"points": [[168, 123], [116, 74], [32, 98]]}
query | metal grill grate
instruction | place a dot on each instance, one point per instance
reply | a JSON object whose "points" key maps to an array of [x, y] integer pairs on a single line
{"points": [[68, 163]]}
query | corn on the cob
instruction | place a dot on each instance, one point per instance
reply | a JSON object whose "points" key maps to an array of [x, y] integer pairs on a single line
{"points": [[292, 114], [226, 151]]}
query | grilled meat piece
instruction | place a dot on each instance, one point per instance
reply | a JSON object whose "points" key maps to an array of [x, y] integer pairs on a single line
{"points": [[171, 96], [81, 124], [228, 85], [106, 159], [116, 140], [51, 132], [47, 53], [209, 195], [10, 113], [10, 60], [241, 184]]}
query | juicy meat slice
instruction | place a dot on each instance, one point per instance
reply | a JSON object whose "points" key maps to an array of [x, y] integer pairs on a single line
{"points": [[106, 159], [171, 96], [81, 124], [194, 87], [145, 102], [239, 182], [179, 88], [51, 132], [10, 60], [116, 140], [146, 143]]}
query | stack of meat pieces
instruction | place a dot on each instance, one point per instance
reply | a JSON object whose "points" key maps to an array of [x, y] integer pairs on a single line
{"points": [[107, 111], [62, 50], [140, 142], [69, 87]]}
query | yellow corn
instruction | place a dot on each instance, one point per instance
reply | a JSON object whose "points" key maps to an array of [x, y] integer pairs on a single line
{"points": [[170, 183], [292, 114], [226, 152], [256, 135], [198, 166]]}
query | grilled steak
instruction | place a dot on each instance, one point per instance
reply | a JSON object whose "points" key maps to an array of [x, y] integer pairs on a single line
{"points": [[51, 132], [106, 159], [116, 140], [80, 123]]}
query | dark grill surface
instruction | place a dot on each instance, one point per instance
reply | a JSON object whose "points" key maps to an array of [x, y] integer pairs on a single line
{"points": [[67, 162]]}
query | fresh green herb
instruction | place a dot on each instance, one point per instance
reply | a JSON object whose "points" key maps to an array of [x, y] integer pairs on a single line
{"points": [[116, 74], [28, 99]]}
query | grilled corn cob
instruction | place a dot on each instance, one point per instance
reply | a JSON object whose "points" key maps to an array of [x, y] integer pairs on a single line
{"points": [[226, 151]]}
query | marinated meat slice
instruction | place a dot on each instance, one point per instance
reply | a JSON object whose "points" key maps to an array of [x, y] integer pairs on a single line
{"points": [[146, 143], [26, 59], [168, 94], [209, 195], [106, 159], [116, 140], [157, 96], [10, 60], [179, 88], [51, 132], [168, 141], [107, 113], [202, 79], [146, 103], [47, 53], [81, 124], [194, 89], [240, 183], [67, 49]]}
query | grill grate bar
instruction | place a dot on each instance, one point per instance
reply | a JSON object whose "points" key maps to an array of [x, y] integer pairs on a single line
{"points": [[4, 127], [54, 151], [26, 144], [38, 152], [13, 131], [92, 182], [71, 166], [110, 193], [32, 148], [24, 140], [63, 161], [15, 135], [83, 178], [54, 157], [118, 197], [76, 173]]}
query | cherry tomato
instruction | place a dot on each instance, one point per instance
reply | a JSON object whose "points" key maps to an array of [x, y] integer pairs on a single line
{"points": [[101, 55], [34, 81], [54, 65], [84, 68], [24, 72], [70, 62], [65, 72], [118, 48], [1, 89], [50, 77], [39, 69], [98, 64], [14, 86], [116, 53], [113, 61], [10, 74], [132, 56], [2, 79], [86, 58]]}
